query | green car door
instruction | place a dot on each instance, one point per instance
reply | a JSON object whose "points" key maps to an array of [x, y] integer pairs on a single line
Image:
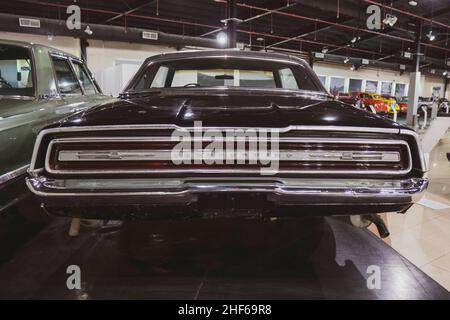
{"points": [[38, 86]]}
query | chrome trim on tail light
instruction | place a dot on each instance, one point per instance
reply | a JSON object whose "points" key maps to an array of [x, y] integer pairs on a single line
{"points": [[284, 155]]}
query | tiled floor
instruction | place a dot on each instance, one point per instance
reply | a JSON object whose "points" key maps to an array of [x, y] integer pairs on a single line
{"points": [[423, 234]]}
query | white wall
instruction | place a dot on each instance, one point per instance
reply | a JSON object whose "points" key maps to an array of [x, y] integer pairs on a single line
{"points": [[364, 73], [104, 54]]}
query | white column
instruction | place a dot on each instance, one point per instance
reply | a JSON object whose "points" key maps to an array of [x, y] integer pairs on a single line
{"points": [[413, 97]]}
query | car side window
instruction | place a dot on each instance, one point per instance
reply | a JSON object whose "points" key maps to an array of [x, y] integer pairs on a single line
{"points": [[287, 78], [85, 79], [66, 80]]}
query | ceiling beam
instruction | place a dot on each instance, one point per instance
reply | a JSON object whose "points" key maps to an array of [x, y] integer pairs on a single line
{"points": [[289, 5], [131, 10]]}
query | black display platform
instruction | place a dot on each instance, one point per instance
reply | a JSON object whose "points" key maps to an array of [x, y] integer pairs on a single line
{"points": [[322, 258]]}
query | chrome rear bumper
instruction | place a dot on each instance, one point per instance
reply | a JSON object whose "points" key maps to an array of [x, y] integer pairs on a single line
{"points": [[289, 191]]}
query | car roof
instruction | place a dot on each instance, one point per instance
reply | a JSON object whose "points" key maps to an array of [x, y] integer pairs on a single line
{"points": [[32, 45], [225, 52]]}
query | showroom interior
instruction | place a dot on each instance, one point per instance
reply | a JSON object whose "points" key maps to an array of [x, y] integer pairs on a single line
{"points": [[388, 58]]}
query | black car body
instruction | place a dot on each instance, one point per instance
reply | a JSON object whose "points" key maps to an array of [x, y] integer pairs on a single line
{"points": [[98, 163]]}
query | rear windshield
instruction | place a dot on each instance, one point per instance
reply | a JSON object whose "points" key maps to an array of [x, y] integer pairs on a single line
{"points": [[220, 72], [16, 71]]}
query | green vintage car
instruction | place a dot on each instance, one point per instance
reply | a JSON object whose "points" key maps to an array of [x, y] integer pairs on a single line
{"points": [[38, 86]]}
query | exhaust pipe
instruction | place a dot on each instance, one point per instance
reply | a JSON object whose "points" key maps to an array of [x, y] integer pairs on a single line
{"points": [[382, 229], [363, 221]]}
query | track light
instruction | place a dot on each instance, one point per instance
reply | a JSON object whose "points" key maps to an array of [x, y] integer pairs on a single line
{"points": [[354, 39], [431, 36], [88, 30], [324, 50], [352, 68], [390, 19], [50, 37], [346, 60], [222, 38], [412, 3], [444, 73]]}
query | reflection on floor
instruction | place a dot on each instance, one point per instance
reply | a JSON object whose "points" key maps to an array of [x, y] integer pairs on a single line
{"points": [[319, 258], [423, 234]]}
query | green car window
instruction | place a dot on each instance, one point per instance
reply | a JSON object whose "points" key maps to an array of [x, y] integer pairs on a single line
{"points": [[16, 71], [85, 79], [66, 80]]}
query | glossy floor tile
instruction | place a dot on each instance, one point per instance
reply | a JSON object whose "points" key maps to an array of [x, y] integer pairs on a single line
{"points": [[422, 235]]}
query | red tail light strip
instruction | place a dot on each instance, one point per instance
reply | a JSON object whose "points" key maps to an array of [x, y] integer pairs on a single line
{"points": [[299, 155]]}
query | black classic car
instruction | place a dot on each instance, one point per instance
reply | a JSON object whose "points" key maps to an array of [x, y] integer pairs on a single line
{"points": [[119, 160]]}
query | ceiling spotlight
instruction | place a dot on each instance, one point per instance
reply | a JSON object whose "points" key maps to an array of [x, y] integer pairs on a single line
{"points": [[259, 39], [324, 50], [354, 39], [352, 68], [222, 38], [390, 20], [50, 37], [444, 73], [431, 36], [88, 30], [412, 3], [346, 60]]}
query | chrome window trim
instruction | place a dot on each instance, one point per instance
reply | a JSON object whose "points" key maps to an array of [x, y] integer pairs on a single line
{"points": [[175, 127], [225, 169], [13, 174]]}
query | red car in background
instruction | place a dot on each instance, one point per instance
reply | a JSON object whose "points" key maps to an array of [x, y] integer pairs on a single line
{"points": [[350, 99], [403, 103], [370, 99]]}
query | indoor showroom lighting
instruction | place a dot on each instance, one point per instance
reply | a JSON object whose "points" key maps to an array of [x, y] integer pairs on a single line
{"points": [[222, 38], [324, 50], [354, 39], [88, 30], [444, 73], [346, 60], [431, 36], [412, 3], [352, 68], [50, 37], [390, 19]]}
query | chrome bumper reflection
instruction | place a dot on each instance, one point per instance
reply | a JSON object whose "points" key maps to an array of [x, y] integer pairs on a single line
{"points": [[289, 189]]}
